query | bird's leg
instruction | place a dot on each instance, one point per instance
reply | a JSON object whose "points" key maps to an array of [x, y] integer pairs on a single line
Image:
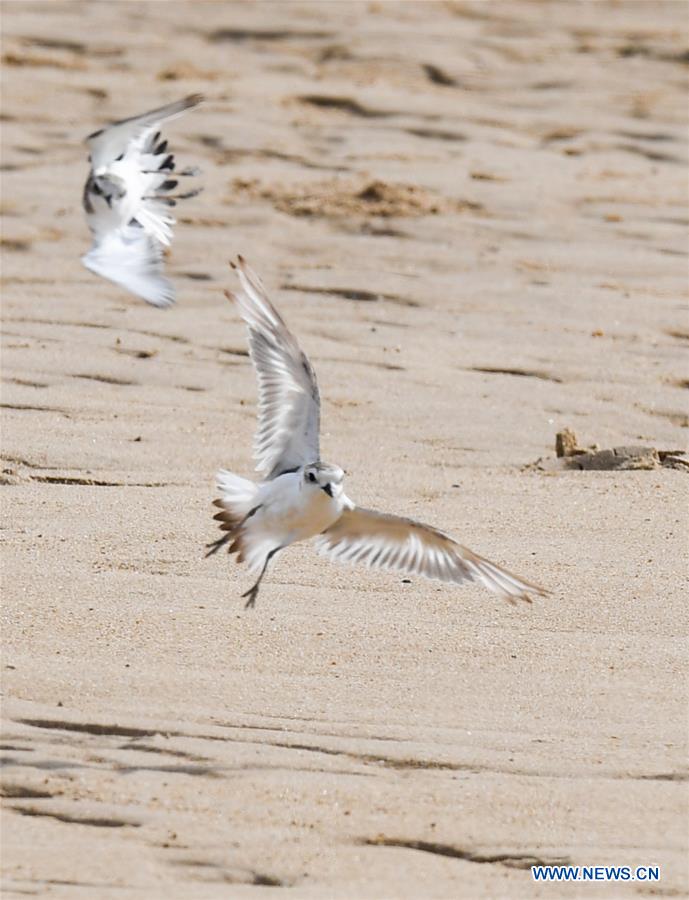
{"points": [[252, 593], [216, 545]]}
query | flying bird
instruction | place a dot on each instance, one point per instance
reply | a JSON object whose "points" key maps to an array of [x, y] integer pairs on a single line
{"points": [[127, 201], [302, 497]]}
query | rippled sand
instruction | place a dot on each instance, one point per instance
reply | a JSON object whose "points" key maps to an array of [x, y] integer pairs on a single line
{"points": [[474, 216]]}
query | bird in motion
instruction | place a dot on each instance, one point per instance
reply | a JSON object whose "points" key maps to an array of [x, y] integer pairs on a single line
{"points": [[127, 199], [302, 497]]}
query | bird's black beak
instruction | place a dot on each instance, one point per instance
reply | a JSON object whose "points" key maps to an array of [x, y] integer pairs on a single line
{"points": [[328, 488]]}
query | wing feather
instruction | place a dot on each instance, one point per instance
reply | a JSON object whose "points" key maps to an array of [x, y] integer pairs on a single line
{"points": [[112, 141], [392, 542], [131, 258], [288, 402]]}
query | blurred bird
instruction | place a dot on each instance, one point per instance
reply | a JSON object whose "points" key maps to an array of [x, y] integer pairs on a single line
{"points": [[302, 497], [127, 199]]}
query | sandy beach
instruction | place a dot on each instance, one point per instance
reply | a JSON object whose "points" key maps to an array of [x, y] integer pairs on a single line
{"points": [[474, 218]]}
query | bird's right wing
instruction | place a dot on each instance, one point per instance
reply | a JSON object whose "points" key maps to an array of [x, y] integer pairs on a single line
{"points": [[392, 542], [109, 143], [288, 402], [133, 259]]}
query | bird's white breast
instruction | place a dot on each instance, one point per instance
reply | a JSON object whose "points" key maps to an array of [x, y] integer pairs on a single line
{"points": [[296, 510]]}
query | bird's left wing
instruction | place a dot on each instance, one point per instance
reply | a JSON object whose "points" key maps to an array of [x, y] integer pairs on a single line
{"points": [[107, 144], [393, 542], [288, 400], [133, 259]]}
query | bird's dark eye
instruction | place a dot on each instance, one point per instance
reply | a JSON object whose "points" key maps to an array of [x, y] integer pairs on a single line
{"points": [[312, 477]]}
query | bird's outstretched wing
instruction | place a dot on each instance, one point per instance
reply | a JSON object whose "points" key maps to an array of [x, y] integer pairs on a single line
{"points": [[107, 144], [392, 542], [288, 401], [134, 260], [127, 191]]}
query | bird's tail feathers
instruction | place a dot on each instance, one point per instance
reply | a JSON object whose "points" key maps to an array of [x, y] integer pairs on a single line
{"points": [[237, 504], [236, 490]]}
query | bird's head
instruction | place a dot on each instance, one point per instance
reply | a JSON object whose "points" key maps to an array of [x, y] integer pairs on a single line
{"points": [[324, 476], [109, 184]]}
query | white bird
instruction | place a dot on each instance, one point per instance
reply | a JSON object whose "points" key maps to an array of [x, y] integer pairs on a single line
{"points": [[302, 497], [127, 200]]}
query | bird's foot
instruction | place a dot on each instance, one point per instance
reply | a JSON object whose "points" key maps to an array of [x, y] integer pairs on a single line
{"points": [[252, 593], [215, 546]]}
